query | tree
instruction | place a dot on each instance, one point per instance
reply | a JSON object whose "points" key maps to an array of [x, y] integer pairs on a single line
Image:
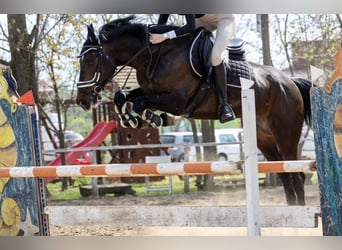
{"points": [[23, 47], [43, 53], [209, 152], [265, 37], [308, 40]]}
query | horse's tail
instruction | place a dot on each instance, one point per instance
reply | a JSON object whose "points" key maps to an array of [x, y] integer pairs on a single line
{"points": [[304, 87]]}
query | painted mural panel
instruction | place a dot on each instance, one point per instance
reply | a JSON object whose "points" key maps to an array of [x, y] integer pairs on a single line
{"points": [[18, 207], [327, 122]]}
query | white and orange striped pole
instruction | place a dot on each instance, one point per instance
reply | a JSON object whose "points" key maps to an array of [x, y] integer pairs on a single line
{"points": [[154, 169], [287, 166]]}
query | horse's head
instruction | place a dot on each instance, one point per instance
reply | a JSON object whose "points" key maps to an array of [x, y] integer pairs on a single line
{"points": [[96, 70]]}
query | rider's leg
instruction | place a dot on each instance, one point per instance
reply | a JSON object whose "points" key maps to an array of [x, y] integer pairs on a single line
{"points": [[225, 112], [225, 30]]}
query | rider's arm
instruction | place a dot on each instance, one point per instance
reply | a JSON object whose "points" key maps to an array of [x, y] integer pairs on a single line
{"points": [[187, 28], [163, 18]]}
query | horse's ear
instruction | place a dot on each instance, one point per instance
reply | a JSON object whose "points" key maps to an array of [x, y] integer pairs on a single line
{"points": [[91, 34]]}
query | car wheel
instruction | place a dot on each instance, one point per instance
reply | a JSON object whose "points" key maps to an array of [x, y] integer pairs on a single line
{"points": [[222, 157]]}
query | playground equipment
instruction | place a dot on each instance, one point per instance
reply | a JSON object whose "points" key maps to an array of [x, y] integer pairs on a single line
{"points": [[94, 138]]}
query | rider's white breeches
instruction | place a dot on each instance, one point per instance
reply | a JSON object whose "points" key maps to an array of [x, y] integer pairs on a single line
{"points": [[224, 25]]}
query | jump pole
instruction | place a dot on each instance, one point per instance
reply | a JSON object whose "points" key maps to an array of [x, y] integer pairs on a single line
{"points": [[251, 158], [153, 169]]}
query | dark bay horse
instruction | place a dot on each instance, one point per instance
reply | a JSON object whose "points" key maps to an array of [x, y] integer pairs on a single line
{"points": [[168, 82]]}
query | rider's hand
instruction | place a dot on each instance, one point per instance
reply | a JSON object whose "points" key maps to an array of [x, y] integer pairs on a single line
{"points": [[157, 38]]}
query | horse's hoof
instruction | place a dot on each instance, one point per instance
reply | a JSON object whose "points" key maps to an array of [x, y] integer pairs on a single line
{"points": [[155, 121], [129, 121], [124, 124], [124, 120], [133, 122], [147, 115], [153, 125]]}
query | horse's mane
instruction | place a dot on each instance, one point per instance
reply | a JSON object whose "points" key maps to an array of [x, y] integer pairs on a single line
{"points": [[126, 26]]}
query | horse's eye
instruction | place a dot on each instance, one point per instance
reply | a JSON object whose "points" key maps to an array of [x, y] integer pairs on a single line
{"points": [[90, 60]]}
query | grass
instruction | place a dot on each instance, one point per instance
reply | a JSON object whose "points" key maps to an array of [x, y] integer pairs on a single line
{"points": [[73, 193]]}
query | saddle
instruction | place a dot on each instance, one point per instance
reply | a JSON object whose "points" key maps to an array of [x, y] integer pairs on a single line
{"points": [[201, 47]]}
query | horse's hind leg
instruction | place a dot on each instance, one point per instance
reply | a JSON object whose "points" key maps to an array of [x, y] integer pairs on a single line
{"points": [[298, 185], [142, 105], [293, 183], [294, 187]]}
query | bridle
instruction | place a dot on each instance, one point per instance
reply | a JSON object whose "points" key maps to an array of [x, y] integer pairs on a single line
{"points": [[94, 82]]}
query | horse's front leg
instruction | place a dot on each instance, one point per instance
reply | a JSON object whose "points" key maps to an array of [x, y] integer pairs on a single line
{"points": [[125, 115]]}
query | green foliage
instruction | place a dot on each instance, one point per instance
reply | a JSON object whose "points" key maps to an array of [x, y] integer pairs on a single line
{"points": [[232, 124], [81, 123], [72, 193]]}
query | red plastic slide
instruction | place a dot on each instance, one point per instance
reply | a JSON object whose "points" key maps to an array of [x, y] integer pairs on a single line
{"points": [[93, 139]]}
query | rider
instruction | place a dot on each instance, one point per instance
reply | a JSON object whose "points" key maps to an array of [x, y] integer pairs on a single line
{"points": [[224, 24]]}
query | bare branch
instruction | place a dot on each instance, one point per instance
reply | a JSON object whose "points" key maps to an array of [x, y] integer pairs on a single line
{"points": [[339, 19], [4, 62], [62, 18]]}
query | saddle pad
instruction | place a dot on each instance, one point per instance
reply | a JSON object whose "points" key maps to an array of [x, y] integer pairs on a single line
{"points": [[238, 69]]}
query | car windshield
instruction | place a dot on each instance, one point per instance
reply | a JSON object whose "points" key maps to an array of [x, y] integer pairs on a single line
{"points": [[73, 136], [227, 138], [190, 139], [167, 139]]}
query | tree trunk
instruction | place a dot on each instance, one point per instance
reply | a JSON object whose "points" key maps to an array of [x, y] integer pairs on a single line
{"points": [[271, 179], [265, 37], [22, 54], [209, 152]]}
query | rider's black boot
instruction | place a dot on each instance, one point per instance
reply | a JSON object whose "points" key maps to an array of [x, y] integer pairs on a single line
{"points": [[225, 112]]}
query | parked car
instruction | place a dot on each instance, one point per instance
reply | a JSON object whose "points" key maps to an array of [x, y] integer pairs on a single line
{"points": [[177, 152], [231, 152], [224, 151], [72, 138]]}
